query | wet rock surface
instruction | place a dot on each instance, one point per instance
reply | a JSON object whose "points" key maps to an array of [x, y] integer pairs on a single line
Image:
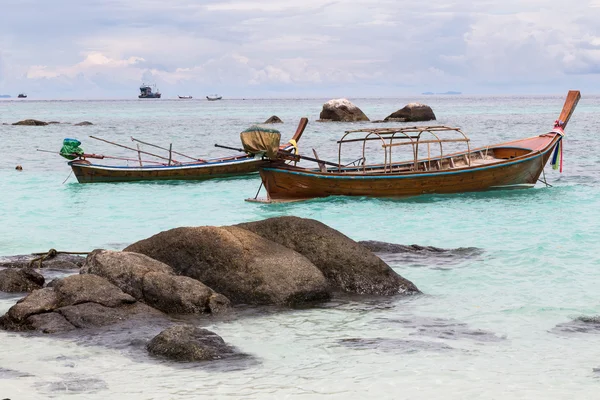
{"points": [[347, 265], [20, 280], [59, 262], [341, 110], [189, 343], [239, 264], [83, 123]]}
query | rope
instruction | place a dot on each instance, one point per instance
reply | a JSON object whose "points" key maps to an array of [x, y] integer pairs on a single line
{"points": [[51, 254], [68, 177]]}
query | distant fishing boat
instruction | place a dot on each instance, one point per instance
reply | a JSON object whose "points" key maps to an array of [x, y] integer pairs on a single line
{"points": [[147, 93], [213, 97], [511, 165], [22, 96], [185, 97], [257, 143]]}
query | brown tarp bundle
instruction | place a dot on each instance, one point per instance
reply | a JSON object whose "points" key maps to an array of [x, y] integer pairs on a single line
{"points": [[258, 140]]}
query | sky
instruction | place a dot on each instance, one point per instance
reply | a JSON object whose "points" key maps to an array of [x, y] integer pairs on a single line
{"points": [[297, 48]]}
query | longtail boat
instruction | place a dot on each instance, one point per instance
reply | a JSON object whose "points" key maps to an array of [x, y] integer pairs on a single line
{"points": [[167, 168], [511, 165]]}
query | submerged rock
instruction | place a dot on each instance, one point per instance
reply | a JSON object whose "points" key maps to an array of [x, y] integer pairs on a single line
{"points": [[189, 343], [393, 345], [341, 110], [243, 266], [273, 120], [24, 280], [31, 122], [154, 283], [412, 112], [84, 123], [347, 265], [582, 324]]}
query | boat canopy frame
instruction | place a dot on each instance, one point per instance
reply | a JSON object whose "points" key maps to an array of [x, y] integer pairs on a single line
{"points": [[412, 135]]}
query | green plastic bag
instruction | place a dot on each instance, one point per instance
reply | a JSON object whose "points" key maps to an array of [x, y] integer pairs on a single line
{"points": [[70, 149]]}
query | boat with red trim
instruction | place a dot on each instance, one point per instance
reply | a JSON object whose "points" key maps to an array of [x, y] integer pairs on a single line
{"points": [[431, 168]]}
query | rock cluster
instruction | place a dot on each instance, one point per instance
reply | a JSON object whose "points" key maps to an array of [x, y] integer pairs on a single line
{"points": [[35, 122], [283, 261]]}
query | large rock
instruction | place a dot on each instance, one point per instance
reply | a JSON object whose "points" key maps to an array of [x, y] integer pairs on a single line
{"points": [[37, 302], [77, 289], [154, 283], [341, 110], [237, 263], [123, 269], [24, 280], [273, 120], [412, 112], [181, 295], [82, 300], [189, 343], [346, 264], [31, 122]]}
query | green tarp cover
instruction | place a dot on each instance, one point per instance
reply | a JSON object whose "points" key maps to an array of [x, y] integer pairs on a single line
{"points": [[257, 140], [70, 149]]}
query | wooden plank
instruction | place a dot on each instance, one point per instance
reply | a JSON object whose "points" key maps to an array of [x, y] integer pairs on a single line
{"points": [[569, 106]]}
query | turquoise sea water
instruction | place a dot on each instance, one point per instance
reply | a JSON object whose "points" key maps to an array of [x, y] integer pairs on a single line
{"points": [[539, 265]]}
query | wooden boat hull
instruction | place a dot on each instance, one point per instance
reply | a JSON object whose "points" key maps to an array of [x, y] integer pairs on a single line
{"points": [[287, 183], [91, 173]]}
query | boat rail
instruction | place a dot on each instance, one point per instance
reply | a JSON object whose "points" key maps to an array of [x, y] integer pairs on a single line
{"points": [[392, 137]]}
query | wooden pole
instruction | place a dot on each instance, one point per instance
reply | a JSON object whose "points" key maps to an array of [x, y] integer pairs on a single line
{"points": [[139, 155], [131, 148], [170, 152], [162, 148]]}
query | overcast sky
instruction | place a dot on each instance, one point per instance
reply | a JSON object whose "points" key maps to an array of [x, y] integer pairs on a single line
{"points": [[304, 48]]}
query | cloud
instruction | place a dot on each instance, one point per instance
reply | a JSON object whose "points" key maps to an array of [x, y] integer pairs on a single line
{"points": [[314, 47]]}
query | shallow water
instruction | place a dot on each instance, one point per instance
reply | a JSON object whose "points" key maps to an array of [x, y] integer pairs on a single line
{"points": [[485, 327]]}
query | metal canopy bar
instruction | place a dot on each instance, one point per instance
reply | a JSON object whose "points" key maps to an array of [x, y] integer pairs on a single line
{"points": [[427, 141]]}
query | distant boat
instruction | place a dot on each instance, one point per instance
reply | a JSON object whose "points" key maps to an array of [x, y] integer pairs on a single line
{"points": [[147, 93], [22, 96], [185, 97], [213, 97]]}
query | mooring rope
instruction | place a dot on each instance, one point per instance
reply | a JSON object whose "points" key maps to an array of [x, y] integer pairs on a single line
{"points": [[51, 254]]}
